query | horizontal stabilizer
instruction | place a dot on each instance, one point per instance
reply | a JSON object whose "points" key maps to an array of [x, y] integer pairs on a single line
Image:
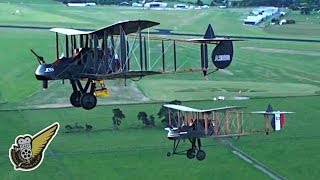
{"points": [[271, 113]]}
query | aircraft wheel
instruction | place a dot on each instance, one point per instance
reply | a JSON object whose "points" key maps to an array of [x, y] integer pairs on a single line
{"points": [[75, 99], [201, 155], [168, 154], [88, 101], [191, 153]]}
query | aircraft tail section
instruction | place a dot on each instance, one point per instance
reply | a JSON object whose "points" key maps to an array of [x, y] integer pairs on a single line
{"points": [[221, 55], [209, 33]]}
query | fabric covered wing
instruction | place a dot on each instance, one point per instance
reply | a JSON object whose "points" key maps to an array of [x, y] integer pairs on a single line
{"points": [[129, 26], [120, 75]]}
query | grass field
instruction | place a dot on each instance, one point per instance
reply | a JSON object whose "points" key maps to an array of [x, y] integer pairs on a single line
{"points": [[285, 74], [141, 152]]}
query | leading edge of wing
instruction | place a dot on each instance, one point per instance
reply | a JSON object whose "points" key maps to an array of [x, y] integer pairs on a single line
{"points": [[271, 113], [188, 109], [181, 108], [128, 27], [67, 31], [120, 75]]}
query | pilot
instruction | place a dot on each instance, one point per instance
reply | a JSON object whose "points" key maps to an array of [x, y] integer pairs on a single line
{"points": [[76, 52]]}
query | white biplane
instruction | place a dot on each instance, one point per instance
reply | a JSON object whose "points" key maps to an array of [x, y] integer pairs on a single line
{"points": [[194, 124]]}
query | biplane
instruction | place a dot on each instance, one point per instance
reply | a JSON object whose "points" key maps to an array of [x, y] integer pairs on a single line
{"points": [[185, 123], [105, 54]]}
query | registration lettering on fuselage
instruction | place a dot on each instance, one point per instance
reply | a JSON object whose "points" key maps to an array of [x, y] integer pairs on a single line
{"points": [[225, 57], [49, 69]]}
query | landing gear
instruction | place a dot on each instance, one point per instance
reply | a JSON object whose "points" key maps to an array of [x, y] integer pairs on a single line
{"points": [[191, 153], [194, 151], [83, 97], [75, 99], [201, 155], [88, 101]]}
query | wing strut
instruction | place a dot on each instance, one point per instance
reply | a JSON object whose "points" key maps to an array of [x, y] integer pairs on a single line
{"points": [[123, 50], [57, 45], [81, 40], [145, 53], [204, 58], [162, 52], [67, 46], [128, 56], [140, 47], [174, 56]]}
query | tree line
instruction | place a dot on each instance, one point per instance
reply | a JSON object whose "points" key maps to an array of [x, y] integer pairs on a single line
{"points": [[145, 119], [243, 3]]}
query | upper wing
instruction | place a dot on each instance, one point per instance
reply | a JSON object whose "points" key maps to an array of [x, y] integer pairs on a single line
{"points": [[69, 32], [223, 108], [188, 109], [129, 26], [181, 108], [41, 140]]}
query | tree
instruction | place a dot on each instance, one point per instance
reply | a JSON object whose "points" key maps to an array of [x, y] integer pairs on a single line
{"points": [[164, 113], [117, 117], [149, 122], [199, 3]]}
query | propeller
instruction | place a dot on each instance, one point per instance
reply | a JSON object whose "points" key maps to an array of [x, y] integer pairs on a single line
{"points": [[41, 62], [39, 58]]}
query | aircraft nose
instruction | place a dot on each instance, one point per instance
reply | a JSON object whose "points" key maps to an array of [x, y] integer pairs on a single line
{"points": [[44, 72]]}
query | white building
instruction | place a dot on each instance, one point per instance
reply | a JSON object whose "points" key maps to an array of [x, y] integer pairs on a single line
{"points": [[155, 5], [81, 4], [260, 14]]}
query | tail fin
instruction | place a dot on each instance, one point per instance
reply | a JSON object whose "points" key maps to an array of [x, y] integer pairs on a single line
{"points": [[209, 33], [269, 108]]}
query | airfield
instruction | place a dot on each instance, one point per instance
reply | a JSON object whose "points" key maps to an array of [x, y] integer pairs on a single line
{"points": [[283, 73]]}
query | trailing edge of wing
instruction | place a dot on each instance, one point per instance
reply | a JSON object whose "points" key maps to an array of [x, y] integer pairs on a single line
{"points": [[212, 40], [120, 75], [199, 40]]}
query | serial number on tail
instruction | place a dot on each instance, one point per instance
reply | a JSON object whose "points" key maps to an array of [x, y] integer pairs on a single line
{"points": [[222, 57]]}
